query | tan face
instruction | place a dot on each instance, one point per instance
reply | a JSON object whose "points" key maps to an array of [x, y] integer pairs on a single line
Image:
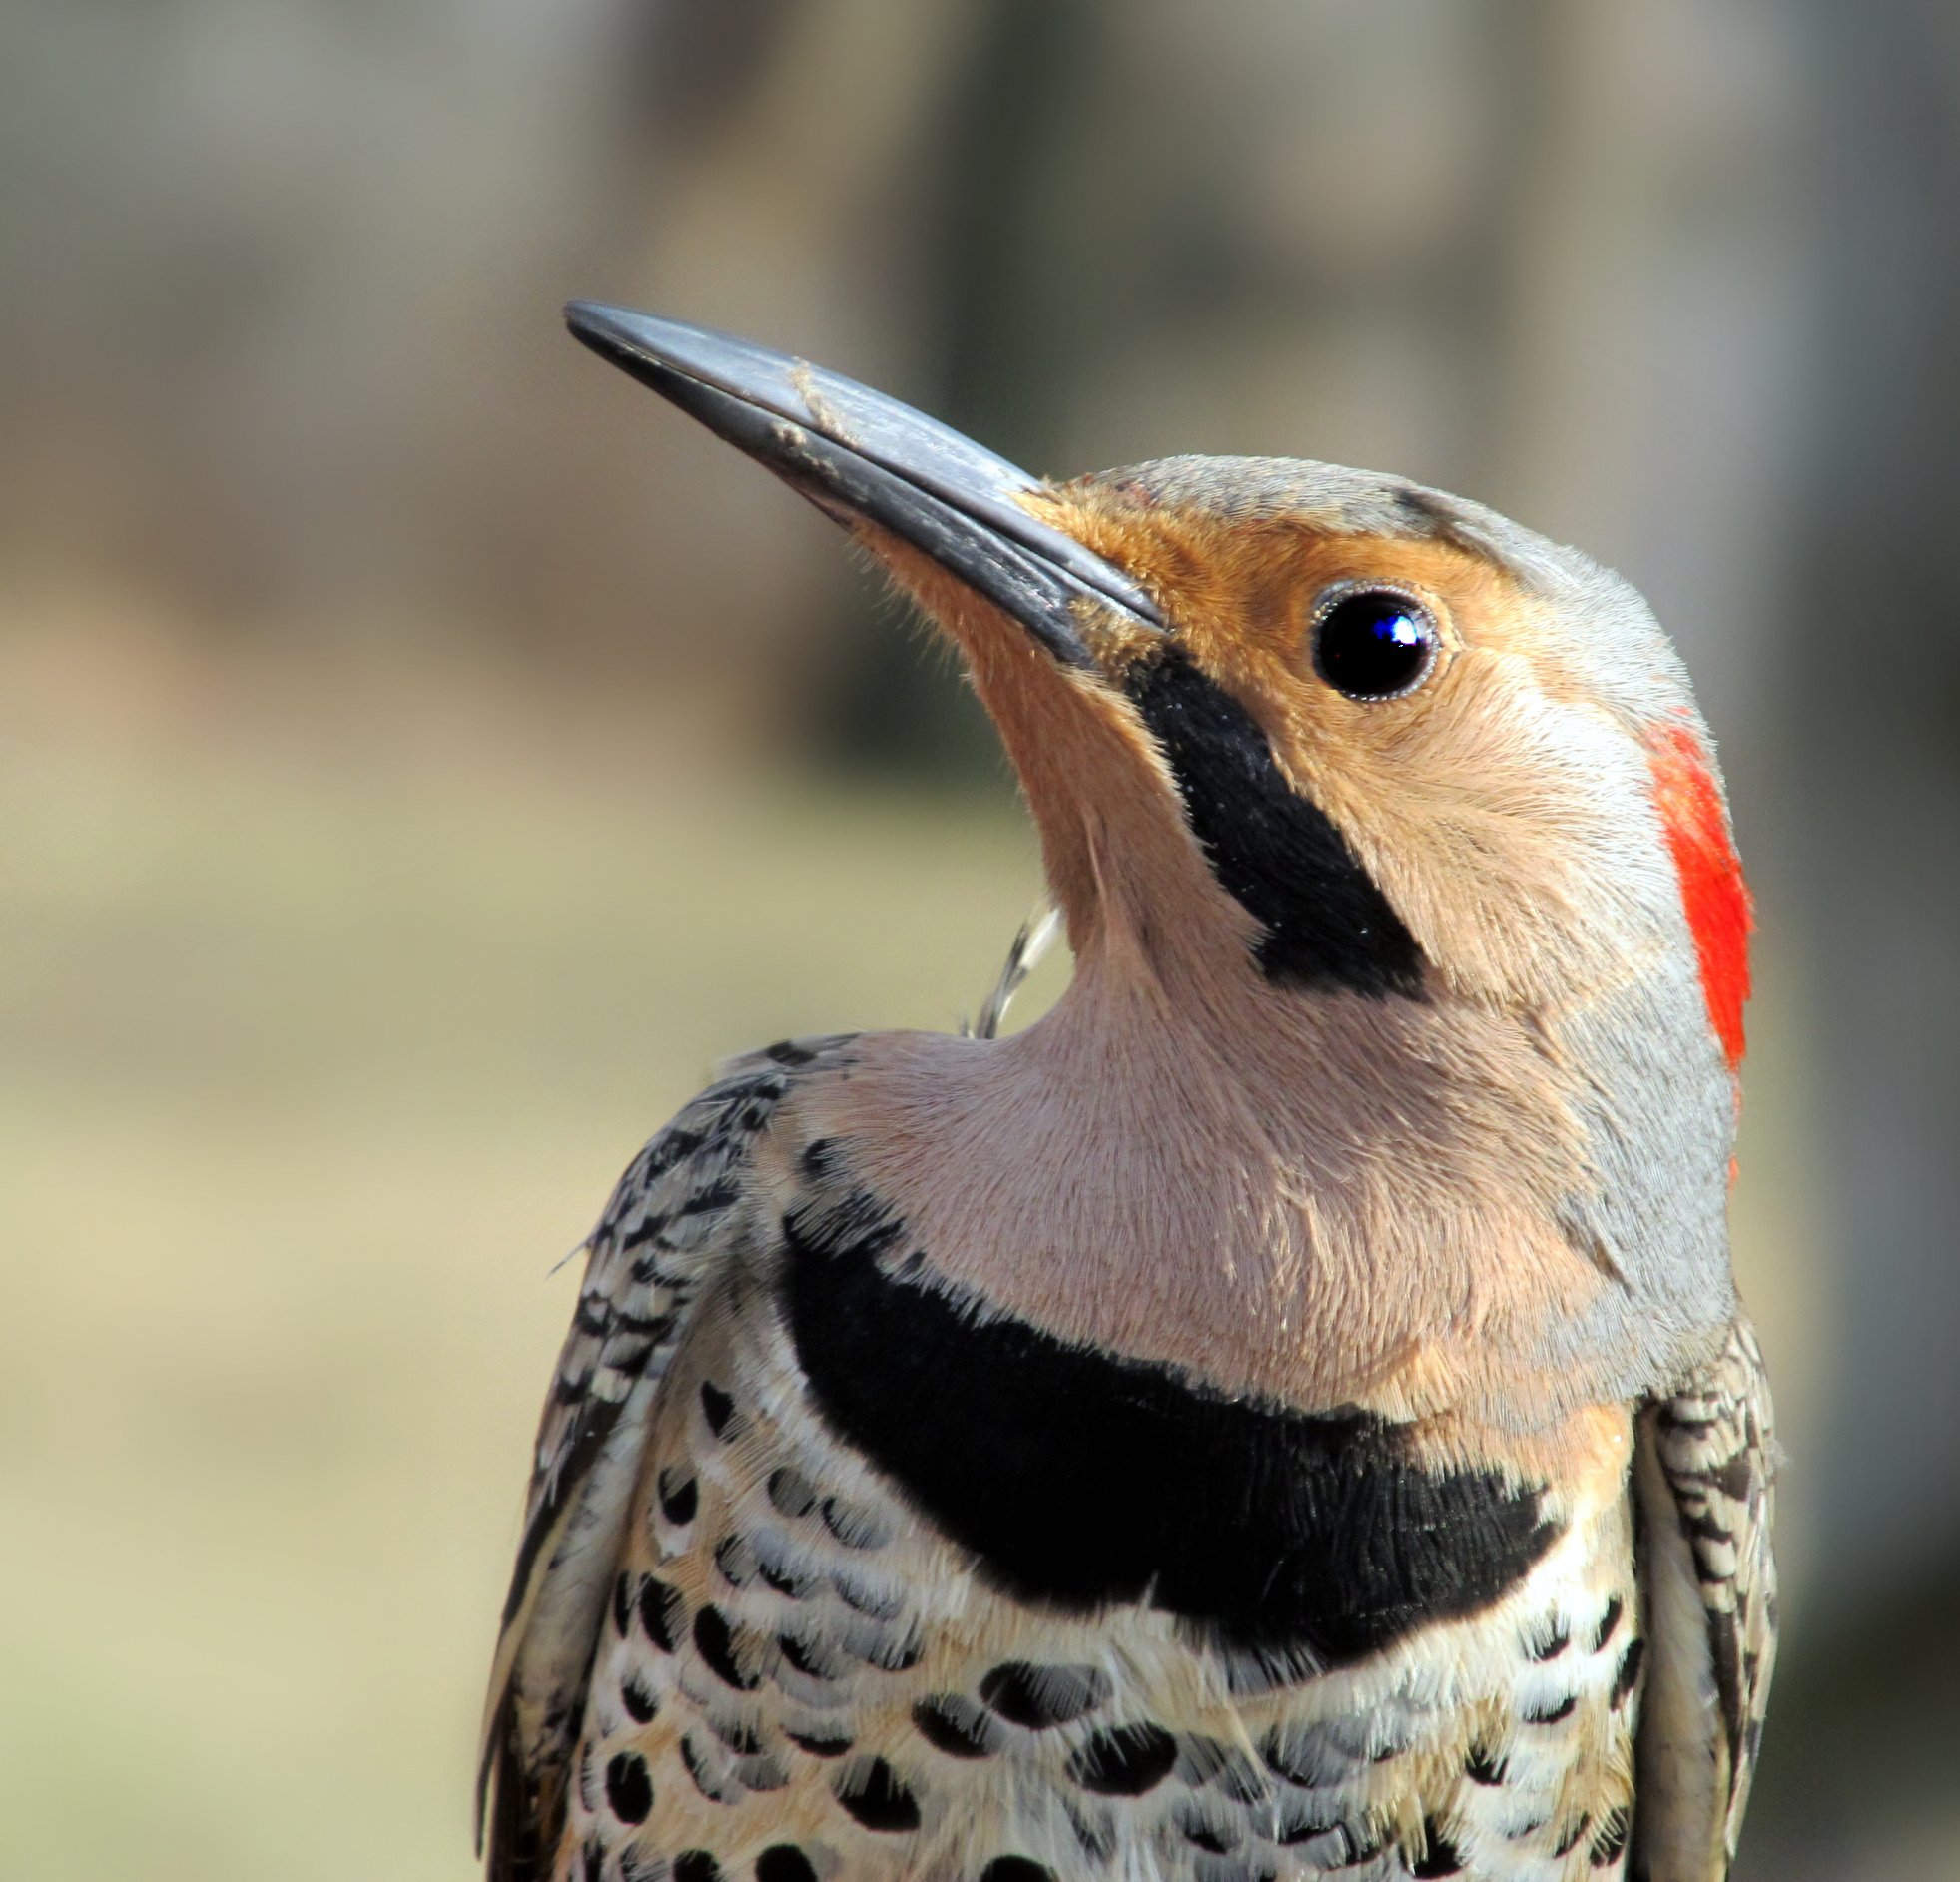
{"points": [[1502, 810]]}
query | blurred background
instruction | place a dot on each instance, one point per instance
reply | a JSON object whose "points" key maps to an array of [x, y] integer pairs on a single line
{"points": [[421, 752]]}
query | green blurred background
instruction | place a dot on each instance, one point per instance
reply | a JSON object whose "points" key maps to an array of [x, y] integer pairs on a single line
{"points": [[421, 752]]}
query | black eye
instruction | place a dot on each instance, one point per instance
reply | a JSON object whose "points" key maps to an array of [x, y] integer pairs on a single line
{"points": [[1372, 643]]}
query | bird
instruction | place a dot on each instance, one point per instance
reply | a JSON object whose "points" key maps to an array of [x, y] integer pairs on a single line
{"points": [[1284, 1413]]}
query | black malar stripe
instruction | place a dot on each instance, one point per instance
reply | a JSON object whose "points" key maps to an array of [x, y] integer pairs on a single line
{"points": [[1324, 922]]}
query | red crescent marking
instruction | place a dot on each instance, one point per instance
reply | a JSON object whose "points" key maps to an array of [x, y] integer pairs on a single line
{"points": [[1716, 898]]}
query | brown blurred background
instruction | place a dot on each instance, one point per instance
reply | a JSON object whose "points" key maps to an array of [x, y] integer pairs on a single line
{"points": [[421, 752]]}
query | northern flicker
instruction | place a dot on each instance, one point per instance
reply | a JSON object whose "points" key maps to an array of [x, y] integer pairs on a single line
{"points": [[1284, 1414]]}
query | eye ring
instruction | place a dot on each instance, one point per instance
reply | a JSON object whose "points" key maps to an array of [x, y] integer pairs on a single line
{"points": [[1375, 641]]}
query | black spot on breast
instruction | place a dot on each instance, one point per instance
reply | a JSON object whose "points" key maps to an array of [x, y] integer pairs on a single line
{"points": [[820, 1744], [622, 1604], [790, 1492], [874, 1794], [887, 1649], [1439, 1856], [1276, 853], [855, 1525], [955, 1727], [1215, 1839], [628, 1787], [808, 1657], [680, 1495], [1202, 1760], [818, 1159], [640, 1704], [786, 1579], [1611, 1842], [592, 1859], [714, 1641], [1608, 1622], [1079, 1480], [1040, 1696], [1361, 1842], [1298, 1823], [1124, 1762], [762, 1775], [1303, 1755], [696, 1865], [784, 1862], [716, 1407], [705, 1779], [1016, 1869], [737, 1734], [662, 1612], [736, 1561], [1629, 1673], [1550, 1713], [862, 1598], [1483, 1766], [1569, 1839], [1550, 1644]]}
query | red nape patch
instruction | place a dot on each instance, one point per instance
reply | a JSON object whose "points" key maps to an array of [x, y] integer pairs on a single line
{"points": [[1719, 914]]}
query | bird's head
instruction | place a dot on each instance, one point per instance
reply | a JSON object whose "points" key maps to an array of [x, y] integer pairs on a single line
{"points": [[1332, 763]]}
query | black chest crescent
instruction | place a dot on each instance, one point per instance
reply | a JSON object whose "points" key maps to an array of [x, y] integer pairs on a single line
{"points": [[1079, 1479]]}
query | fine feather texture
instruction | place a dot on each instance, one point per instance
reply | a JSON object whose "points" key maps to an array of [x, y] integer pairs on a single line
{"points": [[677, 1210], [1705, 1482], [1195, 1436], [788, 1663]]}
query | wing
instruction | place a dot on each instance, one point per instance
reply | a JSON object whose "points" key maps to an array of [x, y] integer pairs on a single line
{"points": [[1703, 1470], [681, 1209]]}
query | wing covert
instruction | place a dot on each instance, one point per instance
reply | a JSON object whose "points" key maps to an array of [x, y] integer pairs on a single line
{"points": [[679, 1211], [1705, 1476]]}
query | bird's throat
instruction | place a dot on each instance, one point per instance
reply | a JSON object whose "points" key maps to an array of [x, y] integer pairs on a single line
{"points": [[1281, 1205]]}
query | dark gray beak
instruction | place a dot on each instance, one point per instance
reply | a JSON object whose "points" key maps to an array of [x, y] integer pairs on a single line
{"points": [[859, 455]]}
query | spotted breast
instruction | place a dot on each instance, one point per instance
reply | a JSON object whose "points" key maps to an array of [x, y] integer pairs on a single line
{"points": [[873, 1580]]}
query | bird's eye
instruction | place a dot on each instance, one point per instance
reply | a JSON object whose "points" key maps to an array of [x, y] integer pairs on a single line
{"points": [[1374, 643]]}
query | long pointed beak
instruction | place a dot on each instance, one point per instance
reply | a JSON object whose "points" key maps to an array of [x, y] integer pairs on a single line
{"points": [[860, 456]]}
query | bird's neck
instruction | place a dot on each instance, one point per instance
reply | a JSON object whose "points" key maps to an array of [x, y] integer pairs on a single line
{"points": [[1320, 1200]]}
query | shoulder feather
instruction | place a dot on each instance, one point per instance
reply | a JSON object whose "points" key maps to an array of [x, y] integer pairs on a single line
{"points": [[1704, 1477], [680, 1210]]}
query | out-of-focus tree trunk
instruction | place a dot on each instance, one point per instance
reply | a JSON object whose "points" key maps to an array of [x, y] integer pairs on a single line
{"points": [[994, 320], [1875, 711], [1878, 724]]}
